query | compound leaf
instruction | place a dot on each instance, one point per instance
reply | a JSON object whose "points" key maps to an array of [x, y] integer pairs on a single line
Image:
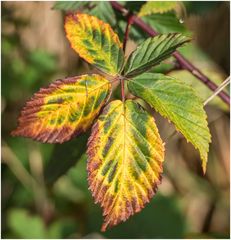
{"points": [[125, 160], [179, 103], [152, 51], [152, 7], [64, 109], [95, 42]]}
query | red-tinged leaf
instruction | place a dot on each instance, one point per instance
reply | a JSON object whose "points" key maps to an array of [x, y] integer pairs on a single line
{"points": [[125, 160], [64, 109]]}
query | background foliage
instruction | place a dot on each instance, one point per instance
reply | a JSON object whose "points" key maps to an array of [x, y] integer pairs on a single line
{"points": [[44, 187]]}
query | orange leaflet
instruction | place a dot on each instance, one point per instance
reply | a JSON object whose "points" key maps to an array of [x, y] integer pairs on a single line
{"points": [[64, 109]]}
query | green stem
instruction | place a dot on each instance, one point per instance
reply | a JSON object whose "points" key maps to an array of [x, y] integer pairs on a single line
{"points": [[122, 90]]}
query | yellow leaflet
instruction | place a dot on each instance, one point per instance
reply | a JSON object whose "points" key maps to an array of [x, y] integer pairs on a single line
{"points": [[95, 42], [125, 160], [64, 109]]}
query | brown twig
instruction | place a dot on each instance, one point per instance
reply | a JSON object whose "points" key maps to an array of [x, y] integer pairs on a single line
{"points": [[185, 64]]}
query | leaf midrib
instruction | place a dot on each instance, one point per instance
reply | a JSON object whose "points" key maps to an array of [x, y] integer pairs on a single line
{"points": [[101, 50]]}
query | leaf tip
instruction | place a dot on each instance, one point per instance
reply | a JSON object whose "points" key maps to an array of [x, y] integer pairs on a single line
{"points": [[13, 133], [204, 163], [204, 167], [104, 227], [18, 132]]}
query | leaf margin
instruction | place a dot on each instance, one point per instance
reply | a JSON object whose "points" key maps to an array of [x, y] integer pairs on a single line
{"points": [[133, 67], [91, 152], [28, 114], [85, 53]]}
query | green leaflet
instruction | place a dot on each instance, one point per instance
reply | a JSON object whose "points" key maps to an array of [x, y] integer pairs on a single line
{"points": [[152, 51], [157, 7], [103, 10], [100, 9], [179, 103], [166, 23]]}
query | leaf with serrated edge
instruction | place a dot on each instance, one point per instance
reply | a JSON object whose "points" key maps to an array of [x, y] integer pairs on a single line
{"points": [[125, 160], [177, 102], [104, 11], [152, 51], [152, 7], [95, 42], [64, 109]]}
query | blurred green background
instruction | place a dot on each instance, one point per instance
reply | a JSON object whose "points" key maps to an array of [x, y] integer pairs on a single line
{"points": [[44, 187]]}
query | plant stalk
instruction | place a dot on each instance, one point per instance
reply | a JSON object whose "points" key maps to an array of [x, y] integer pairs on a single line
{"points": [[126, 35], [129, 22], [122, 90], [185, 64]]}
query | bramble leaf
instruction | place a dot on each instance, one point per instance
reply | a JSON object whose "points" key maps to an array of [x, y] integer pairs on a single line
{"points": [[151, 7], [64, 109], [95, 42], [125, 160], [152, 51], [104, 11], [100, 9], [177, 102]]}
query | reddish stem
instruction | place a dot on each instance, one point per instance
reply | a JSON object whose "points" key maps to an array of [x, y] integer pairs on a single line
{"points": [[129, 22], [185, 64]]}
